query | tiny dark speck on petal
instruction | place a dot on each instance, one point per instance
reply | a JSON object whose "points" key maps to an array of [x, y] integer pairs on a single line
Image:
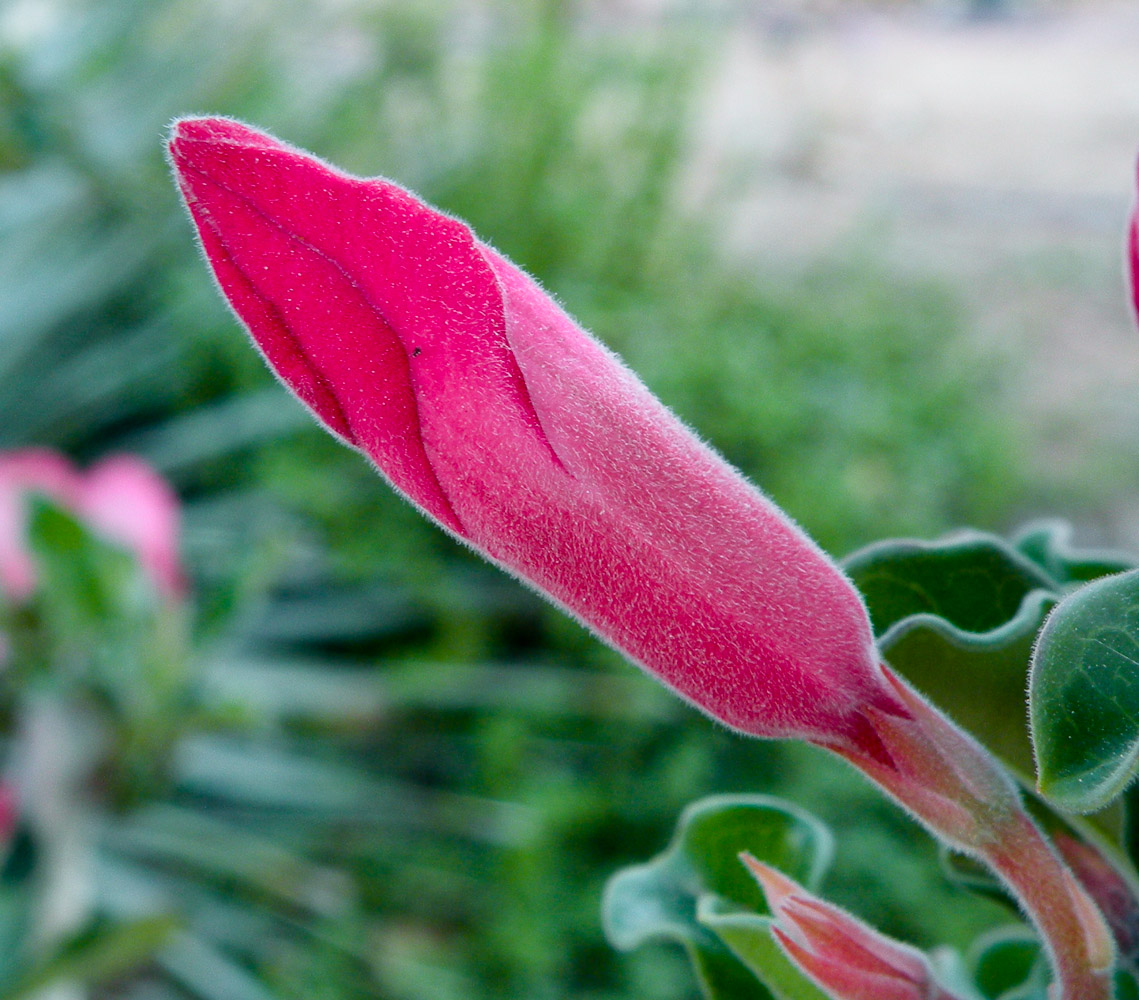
{"points": [[418, 351]]}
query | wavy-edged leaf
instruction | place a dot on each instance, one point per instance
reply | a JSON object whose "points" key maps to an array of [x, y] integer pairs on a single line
{"points": [[975, 581], [1048, 543], [1084, 695], [662, 898], [958, 618], [979, 678]]}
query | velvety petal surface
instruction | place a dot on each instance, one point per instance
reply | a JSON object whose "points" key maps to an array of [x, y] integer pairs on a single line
{"points": [[483, 402]]}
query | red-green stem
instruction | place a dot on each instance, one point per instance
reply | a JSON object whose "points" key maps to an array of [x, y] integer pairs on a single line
{"points": [[959, 790]]}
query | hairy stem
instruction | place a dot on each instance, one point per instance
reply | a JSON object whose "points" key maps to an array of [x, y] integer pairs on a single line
{"points": [[959, 790]]}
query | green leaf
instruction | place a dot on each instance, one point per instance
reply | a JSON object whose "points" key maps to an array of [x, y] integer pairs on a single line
{"points": [[17, 918], [974, 581], [263, 776], [91, 593], [1126, 985], [937, 609], [971, 874], [100, 952], [207, 972], [190, 841], [81, 575], [219, 430], [958, 618], [664, 897], [1048, 544], [1005, 959], [749, 937], [978, 678], [1084, 695]]}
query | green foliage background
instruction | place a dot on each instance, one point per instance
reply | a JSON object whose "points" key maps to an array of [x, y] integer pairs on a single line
{"points": [[459, 762]]}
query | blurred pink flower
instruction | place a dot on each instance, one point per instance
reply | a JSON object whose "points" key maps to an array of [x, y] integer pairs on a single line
{"points": [[493, 411], [121, 498], [1133, 259], [9, 811]]}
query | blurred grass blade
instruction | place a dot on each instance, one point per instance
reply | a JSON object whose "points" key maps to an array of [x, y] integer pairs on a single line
{"points": [[98, 954], [206, 972]]}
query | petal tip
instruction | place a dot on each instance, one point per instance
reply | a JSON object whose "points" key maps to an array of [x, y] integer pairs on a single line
{"points": [[776, 886], [194, 141], [215, 128]]}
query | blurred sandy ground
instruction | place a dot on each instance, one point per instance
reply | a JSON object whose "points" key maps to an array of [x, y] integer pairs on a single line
{"points": [[995, 153]]}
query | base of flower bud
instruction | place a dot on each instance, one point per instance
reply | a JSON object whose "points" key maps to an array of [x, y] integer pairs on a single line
{"points": [[953, 785]]}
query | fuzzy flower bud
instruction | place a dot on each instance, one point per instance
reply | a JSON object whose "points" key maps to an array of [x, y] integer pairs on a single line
{"points": [[481, 401]]}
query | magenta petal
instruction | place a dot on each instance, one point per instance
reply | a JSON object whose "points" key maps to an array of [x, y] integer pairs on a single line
{"points": [[490, 408], [381, 307]]}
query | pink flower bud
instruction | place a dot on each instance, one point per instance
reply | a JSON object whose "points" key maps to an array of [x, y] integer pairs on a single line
{"points": [[121, 498], [488, 407], [848, 959]]}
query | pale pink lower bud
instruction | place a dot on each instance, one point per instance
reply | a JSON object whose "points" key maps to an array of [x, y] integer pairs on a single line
{"points": [[493, 411], [1133, 260], [844, 956]]}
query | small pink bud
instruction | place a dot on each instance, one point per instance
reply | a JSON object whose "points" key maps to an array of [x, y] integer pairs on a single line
{"points": [[848, 959], [121, 498], [487, 406]]}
